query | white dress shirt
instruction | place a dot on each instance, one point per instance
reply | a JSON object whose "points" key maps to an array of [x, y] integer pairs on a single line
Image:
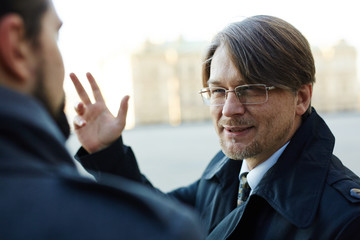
{"points": [[254, 176]]}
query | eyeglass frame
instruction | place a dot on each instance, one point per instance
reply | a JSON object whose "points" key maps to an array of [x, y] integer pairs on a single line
{"points": [[267, 89]]}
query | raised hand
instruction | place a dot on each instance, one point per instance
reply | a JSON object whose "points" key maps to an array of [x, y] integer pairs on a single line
{"points": [[95, 126]]}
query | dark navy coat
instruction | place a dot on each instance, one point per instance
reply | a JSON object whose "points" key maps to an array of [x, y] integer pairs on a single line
{"points": [[43, 197], [307, 194]]}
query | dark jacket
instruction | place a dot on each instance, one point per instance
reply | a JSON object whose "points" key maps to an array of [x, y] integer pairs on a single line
{"points": [[43, 197], [305, 195]]}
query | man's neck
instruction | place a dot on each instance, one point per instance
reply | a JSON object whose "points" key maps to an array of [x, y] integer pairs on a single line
{"points": [[260, 158]]}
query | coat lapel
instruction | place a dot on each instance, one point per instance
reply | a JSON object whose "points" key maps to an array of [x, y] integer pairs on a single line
{"points": [[225, 170], [293, 186]]}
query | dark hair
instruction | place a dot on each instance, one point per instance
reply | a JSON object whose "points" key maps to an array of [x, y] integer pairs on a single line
{"points": [[31, 11], [266, 50]]}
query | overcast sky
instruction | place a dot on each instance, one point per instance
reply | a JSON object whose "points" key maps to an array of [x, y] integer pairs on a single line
{"points": [[97, 28]]}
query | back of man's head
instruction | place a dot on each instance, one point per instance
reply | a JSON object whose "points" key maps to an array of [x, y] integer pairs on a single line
{"points": [[31, 11], [20, 21]]}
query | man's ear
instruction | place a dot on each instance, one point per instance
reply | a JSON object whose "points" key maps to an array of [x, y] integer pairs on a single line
{"points": [[304, 94], [15, 49]]}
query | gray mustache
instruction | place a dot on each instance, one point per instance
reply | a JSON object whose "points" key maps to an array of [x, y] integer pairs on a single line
{"points": [[235, 122]]}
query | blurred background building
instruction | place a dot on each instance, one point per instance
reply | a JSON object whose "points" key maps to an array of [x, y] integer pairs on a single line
{"points": [[167, 78], [336, 88]]}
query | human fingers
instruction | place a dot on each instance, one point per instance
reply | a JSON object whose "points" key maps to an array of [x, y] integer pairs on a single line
{"points": [[80, 89], [80, 108], [122, 113], [95, 88], [79, 122]]}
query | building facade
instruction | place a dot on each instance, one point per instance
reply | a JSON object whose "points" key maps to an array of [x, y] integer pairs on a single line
{"points": [[166, 81], [337, 86]]}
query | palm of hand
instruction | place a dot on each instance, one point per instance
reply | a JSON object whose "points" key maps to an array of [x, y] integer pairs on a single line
{"points": [[95, 126], [101, 128]]}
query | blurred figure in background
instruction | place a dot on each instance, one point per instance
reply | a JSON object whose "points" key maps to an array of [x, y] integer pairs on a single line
{"points": [[42, 195], [276, 176]]}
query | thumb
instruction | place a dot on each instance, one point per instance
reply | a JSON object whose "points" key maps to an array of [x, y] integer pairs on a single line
{"points": [[122, 113], [79, 122]]}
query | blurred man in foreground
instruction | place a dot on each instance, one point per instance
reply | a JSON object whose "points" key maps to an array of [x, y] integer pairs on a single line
{"points": [[42, 195]]}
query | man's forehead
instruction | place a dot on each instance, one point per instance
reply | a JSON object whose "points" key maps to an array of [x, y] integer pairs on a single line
{"points": [[225, 74]]}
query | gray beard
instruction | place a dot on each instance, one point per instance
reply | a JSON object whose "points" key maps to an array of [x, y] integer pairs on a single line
{"points": [[250, 151], [254, 148]]}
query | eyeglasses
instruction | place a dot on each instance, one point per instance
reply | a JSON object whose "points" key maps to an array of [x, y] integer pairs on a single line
{"points": [[247, 94]]}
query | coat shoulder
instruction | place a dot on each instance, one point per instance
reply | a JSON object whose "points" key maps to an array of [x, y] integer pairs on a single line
{"points": [[344, 181], [71, 204]]}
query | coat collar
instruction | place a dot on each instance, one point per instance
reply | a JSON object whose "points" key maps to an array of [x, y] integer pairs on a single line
{"points": [[294, 185], [29, 111], [28, 132], [223, 169]]}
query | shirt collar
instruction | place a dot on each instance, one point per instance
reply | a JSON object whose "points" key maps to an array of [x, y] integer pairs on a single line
{"points": [[254, 176]]}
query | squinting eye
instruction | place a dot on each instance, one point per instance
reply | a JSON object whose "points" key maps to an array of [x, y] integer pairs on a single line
{"points": [[217, 91], [245, 90]]}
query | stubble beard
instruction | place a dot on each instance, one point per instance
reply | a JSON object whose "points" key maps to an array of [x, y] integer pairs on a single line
{"points": [[255, 147], [57, 114], [233, 152], [231, 148]]}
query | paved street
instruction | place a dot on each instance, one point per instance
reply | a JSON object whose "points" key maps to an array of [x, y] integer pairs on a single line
{"points": [[176, 156]]}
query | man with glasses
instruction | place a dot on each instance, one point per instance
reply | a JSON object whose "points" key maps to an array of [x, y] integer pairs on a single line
{"points": [[276, 176]]}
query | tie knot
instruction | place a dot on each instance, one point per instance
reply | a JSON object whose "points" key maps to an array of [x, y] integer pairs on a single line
{"points": [[243, 177]]}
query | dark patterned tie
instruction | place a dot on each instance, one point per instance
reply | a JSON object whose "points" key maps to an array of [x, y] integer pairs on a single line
{"points": [[244, 189]]}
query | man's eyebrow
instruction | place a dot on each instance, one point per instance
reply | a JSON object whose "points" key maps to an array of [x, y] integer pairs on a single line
{"points": [[218, 82], [214, 82]]}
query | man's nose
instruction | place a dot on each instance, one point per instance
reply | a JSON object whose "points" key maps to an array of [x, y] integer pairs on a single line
{"points": [[232, 105]]}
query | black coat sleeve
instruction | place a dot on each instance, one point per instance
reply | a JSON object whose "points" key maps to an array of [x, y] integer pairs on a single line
{"points": [[187, 194], [117, 159]]}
